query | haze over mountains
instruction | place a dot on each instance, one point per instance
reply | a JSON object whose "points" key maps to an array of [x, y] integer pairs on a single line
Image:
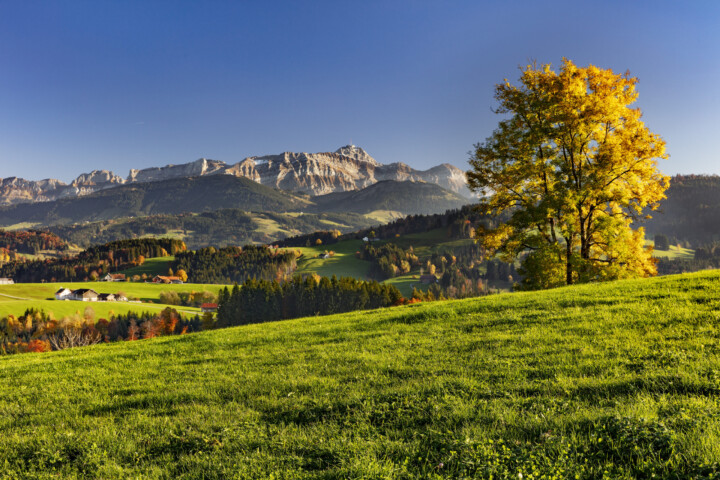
{"points": [[347, 169]]}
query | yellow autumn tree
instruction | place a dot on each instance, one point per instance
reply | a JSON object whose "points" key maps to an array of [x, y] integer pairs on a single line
{"points": [[569, 170]]}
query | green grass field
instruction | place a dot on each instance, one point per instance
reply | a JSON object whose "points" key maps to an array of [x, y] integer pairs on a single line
{"points": [[342, 264], [41, 296], [619, 380], [675, 253], [151, 267]]}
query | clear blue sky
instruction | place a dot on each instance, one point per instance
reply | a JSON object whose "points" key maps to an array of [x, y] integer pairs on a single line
{"points": [[132, 84]]}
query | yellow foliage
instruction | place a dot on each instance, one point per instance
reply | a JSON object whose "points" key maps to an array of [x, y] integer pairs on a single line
{"points": [[572, 168]]}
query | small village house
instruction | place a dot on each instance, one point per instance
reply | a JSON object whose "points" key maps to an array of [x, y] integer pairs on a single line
{"points": [[114, 277], [84, 295], [106, 297], [120, 297], [63, 293], [6, 281], [166, 279], [209, 307]]}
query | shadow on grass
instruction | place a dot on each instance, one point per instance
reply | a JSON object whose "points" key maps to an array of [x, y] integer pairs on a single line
{"points": [[155, 405]]}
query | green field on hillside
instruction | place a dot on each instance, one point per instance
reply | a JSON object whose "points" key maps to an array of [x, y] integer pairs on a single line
{"points": [[151, 267], [675, 253], [342, 264], [618, 380], [14, 299]]}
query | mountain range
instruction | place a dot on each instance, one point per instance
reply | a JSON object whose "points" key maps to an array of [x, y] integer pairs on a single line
{"points": [[349, 168]]}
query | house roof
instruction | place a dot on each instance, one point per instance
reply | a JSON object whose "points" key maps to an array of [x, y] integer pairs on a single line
{"points": [[83, 291], [63, 289], [169, 279], [209, 305]]}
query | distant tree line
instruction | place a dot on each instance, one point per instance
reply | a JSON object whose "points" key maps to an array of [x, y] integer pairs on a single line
{"points": [[236, 264], [38, 331], [691, 213], [187, 299], [220, 228], [706, 256], [92, 263], [319, 237], [257, 301], [388, 260], [31, 241]]}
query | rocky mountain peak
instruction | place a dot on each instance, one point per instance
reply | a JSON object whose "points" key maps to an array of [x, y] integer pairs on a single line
{"points": [[97, 177], [356, 153], [201, 166]]}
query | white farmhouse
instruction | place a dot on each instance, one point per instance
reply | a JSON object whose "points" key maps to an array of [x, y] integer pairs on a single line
{"points": [[63, 294]]}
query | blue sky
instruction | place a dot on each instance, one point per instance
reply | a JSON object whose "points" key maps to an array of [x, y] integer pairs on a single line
{"points": [[132, 84]]}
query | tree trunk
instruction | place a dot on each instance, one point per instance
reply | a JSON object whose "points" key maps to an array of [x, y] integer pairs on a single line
{"points": [[568, 264]]}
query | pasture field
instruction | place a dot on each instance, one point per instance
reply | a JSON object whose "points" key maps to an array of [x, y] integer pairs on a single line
{"points": [[617, 380], [14, 299], [342, 264], [675, 253], [151, 267]]}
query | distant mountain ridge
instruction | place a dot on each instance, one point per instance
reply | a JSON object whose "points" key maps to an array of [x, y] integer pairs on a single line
{"points": [[348, 168], [207, 193]]}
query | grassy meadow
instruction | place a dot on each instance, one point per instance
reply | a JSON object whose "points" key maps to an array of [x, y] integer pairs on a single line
{"points": [[151, 267], [14, 299], [618, 380], [342, 264]]}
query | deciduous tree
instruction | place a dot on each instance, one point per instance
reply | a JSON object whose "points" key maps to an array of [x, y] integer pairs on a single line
{"points": [[572, 167]]}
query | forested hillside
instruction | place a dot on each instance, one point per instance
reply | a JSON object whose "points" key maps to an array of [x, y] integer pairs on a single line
{"points": [[31, 241], [236, 264], [691, 212], [218, 228], [91, 263]]}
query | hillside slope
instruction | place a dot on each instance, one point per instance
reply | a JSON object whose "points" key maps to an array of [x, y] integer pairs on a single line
{"points": [[616, 380], [196, 194], [691, 211], [408, 198]]}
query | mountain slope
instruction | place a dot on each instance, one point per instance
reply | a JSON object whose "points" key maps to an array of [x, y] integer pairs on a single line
{"points": [[405, 197], [606, 380], [171, 196]]}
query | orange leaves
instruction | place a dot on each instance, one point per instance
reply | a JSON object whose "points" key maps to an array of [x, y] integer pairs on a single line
{"points": [[38, 346]]}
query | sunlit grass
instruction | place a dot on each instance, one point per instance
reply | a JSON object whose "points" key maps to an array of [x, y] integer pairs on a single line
{"points": [[41, 296], [618, 380]]}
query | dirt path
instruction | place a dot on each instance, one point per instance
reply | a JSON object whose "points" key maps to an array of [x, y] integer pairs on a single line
{"points": [[15, 298]]}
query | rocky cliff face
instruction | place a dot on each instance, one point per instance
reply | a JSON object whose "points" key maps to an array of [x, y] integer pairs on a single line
{"points": [[197, 168], [348, 168]]}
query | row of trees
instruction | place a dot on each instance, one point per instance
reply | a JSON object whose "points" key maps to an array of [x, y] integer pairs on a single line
{"points": [[388, 260], [236, 264], [187, 299], [93, 262], [259, 301], [130, 251], [37, 331], [31, 241]]}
